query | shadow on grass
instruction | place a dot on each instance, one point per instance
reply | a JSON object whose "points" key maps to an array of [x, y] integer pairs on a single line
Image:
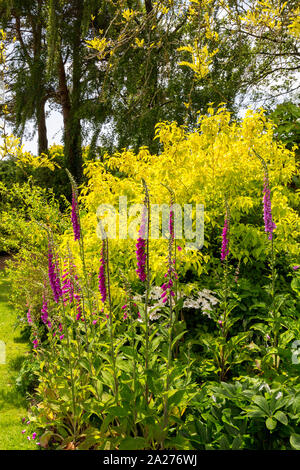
{"points": [[21, 339], [12, 397], [16, 363], [3, 296], [4, 289]]}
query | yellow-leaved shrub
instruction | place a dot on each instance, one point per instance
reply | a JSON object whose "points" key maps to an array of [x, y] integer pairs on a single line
{"points": [[214, 161]]}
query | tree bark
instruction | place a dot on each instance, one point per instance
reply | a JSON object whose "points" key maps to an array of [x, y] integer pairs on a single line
{"points": [[148, 5], [39, 82], [70, 102], [64, 94], [73, 149]]}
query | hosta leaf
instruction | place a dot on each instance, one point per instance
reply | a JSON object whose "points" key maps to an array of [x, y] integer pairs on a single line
{"points": [[262, 403], [255, 412], [271, 424], [280, 416], [295, 441]]}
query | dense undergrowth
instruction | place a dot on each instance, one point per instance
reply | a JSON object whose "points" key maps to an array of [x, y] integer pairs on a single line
{"points": [[148, 344]]}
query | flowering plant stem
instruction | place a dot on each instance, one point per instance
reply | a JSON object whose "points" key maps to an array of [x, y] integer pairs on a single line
{"points": [[78, 235], [269, 228], [74, 420], [224, 327], [87, 290], [147, 206], [274, 314], [224, 321], [172, 279], [113, 357], [132, 327]]}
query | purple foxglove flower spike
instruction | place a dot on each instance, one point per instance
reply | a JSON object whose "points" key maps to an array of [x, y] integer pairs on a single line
{"points": [[75, 216], [225, 240], [269, 224], [101, 276], [53, 276], [29, 319], [44, 315], [171, 223], [141, 255]]}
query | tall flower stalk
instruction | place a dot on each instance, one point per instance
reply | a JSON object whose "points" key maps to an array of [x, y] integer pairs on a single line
{"points": [[141, 255], [104, 287], [44, 311], [168, 291], [53, 272], [223, 320], [102, 274], [113, 356], [75, 214], [267, 210], [144, 272], [78, 236], [224, 259], [129, 307], [225, 239], [73, 392], [270, 226], [54, 280]]}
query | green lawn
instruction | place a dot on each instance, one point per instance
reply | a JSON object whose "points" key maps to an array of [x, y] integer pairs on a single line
{"points": [[12, 403]]}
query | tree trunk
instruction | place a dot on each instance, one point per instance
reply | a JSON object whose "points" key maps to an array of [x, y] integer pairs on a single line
{"points": [[71, 157], [71, 102], [64, 95], [75, 151], [39, 81], [42, 128]]}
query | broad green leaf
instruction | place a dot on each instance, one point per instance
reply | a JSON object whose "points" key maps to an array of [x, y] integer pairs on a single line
{"points": [[262, 403], [271, 424], [44, 439], [295, 441], [280, 416]]}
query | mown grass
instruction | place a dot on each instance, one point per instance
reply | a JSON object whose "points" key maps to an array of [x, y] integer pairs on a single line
{"points": [[12, 403]]}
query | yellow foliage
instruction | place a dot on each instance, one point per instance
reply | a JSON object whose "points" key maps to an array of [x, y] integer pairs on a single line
{"points": [[100, 44], [40, 161], [210, 34], [202, 166], [128, 14], [273, 15], [294, 26], [9, 146], [201, 59], [139, 42]]}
